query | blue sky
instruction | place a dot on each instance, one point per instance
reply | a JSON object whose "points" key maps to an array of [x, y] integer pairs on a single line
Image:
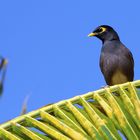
{"points": [[50, 56]]}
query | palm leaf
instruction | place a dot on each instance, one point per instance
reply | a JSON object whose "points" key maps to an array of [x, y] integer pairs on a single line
{"points": [[106, 114]]}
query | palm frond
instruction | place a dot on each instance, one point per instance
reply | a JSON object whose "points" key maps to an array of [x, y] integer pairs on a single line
{"points": [[103, 114]]}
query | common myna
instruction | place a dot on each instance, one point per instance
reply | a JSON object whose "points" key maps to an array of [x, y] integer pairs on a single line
{"points": [[116, 61]]}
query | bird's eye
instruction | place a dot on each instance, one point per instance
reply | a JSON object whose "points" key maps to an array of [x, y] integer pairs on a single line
{"points": [[99, 30]]}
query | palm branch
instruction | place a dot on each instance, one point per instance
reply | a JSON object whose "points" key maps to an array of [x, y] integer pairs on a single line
{"points": [[110, 113]]}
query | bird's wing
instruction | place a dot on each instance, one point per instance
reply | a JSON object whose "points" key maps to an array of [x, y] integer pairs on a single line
{"points": [[120, 60], [108, 65], [126, 63]]}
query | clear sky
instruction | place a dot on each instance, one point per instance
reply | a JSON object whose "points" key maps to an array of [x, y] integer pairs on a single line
{"points": [[50, 56]]}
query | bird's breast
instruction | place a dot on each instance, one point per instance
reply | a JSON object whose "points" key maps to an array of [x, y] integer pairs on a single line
{"points": [[118, 78]]}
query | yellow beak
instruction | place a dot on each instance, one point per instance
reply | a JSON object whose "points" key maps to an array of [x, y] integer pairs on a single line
{"points": [[92, 34]]}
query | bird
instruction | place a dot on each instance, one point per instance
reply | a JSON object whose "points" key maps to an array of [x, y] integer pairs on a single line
{"points": [[116, 60]]}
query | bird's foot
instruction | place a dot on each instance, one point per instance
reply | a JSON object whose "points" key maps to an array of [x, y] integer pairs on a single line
{"points": [[107, 86]]}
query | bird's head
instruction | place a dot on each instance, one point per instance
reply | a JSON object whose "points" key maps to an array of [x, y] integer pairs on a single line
{"points": [[105, 32]]}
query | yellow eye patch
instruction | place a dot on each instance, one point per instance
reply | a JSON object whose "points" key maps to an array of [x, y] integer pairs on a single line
{"points": [[98, 31], [102, 29]]}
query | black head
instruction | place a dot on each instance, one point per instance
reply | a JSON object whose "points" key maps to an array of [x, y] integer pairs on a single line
{"points": [[105, 32]]}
